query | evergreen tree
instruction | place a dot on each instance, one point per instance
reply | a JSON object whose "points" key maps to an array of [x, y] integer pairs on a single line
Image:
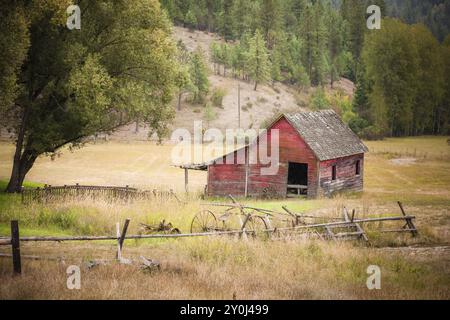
{"points": [[199, 76], [335, 44], [354, 13], [271, 17], [183, 80], [258, 63], [228, 21], [191, 20]]}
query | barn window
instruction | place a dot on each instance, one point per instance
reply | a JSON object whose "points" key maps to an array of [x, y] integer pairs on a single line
{"points": [[358, 167], [333, 172]]}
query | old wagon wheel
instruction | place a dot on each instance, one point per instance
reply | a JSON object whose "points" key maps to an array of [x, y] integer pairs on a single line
{"points": [[204, 221], [257, 225]]}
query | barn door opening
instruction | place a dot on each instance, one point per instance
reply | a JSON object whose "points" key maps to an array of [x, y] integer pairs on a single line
{"points": [[297, 179]]}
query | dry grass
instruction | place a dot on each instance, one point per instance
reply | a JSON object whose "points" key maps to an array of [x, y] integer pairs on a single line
{"points": [[220, 267]]}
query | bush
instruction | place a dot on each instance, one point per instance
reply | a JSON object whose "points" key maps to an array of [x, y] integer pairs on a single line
{"points": [[209, 113], [262, 100], [247, 106], [358, 125], [217, 97], [319, 100], [372, 133]]}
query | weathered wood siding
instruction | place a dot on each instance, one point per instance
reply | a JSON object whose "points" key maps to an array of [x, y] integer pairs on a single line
{"points": [[224, 179], [346, 178]]}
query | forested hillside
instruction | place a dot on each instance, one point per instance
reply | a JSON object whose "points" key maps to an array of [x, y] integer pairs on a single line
{"points": [[435, 14], [401, 71]]}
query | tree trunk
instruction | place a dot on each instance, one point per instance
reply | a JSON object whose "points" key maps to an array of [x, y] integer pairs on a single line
{"points": [[256, 85], [20, 170], [15, 184], [179, 101]]}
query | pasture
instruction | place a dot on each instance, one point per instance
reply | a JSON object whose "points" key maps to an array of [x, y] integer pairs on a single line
{"points": [[415, 171]]}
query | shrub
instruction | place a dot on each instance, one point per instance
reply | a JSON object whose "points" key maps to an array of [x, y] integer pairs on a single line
{"points": [[262, 100], [247, 106], [217, 97], [209, 113], [319, 100], [372, 133]]}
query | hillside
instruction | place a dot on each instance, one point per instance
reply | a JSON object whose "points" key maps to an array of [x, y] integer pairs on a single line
{"points": [[256, 106]]}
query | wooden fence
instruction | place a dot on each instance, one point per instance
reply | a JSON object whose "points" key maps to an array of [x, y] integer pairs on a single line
{"points": [[78, 192], [349, 222]]}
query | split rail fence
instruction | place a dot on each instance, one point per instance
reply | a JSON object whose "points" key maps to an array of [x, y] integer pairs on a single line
{"points": [[349, 222]]}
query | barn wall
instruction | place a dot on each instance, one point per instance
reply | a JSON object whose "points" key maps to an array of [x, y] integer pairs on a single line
{"points": [[346, 178], [230, 179], [292, 149], [225, 179]]}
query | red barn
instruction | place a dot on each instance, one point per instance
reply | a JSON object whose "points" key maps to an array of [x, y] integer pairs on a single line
{"points": [[318, 155]]}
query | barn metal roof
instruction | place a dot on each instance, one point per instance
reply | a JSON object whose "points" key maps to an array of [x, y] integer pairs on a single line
{"points": [[326, 134]]}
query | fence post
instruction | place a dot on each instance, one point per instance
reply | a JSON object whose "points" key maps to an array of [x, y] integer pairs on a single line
{"points": [[15, 244], [124, 232], [409, 223], [119, 248]]}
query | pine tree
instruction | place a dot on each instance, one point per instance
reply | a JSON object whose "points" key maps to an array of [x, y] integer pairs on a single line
{"points": [[199, 76], [215, 56], [354, 13], [228, 21], [183, 79], [243, 12], [258, 63], [191, 20], [335, 44], [270, 15]]}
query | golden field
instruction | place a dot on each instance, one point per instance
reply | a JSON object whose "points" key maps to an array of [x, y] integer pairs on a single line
{"points": [[415, 171]]}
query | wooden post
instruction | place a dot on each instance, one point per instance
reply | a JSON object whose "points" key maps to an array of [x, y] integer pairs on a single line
{"points": [[15, 244], [186, 179], [409, 222], [239, 104], [119, 248], [247, 168], [124, 232]]}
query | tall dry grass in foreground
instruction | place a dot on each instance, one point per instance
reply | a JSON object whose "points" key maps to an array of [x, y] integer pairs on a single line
{"points": [[221, 268]]}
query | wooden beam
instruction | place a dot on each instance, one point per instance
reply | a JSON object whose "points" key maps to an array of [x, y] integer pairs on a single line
{"points": [[15, 244], [186, 179], [124, 232], [409, 222]]}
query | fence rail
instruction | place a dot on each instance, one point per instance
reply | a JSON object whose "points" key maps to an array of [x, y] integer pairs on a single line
{"points": [[81, 192], [348, 222]]}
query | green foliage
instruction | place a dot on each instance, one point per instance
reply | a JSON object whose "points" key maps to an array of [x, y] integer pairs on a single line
{"points": [[435, 14], [199, 76], [74, 84], [405, 70], [191, 20], [319, 99], [258, 63], [14, 41], [209, 113], [217, 97]]}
